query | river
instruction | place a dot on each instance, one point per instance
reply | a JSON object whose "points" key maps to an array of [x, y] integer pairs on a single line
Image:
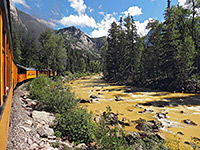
{"points": [[135, 103]]}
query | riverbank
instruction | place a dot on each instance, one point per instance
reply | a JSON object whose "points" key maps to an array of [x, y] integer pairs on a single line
{"points": [[180, 109]]}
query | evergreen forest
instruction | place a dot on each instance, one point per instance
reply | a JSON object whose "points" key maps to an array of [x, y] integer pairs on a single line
{"points": [[51, 52], [168, 59]]}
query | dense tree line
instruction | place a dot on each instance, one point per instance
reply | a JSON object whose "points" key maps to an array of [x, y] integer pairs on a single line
{"points": [[51, 53], [167, 59]]}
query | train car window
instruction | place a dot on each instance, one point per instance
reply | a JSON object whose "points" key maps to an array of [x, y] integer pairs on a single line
{"points": [[3, 39], [21, 71]]}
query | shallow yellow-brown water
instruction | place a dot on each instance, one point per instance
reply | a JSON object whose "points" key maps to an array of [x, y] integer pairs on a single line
{"points": [[178, 106]]}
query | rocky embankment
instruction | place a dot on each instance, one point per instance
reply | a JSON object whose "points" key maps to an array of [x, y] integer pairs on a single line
{"points": [[31, 129]]}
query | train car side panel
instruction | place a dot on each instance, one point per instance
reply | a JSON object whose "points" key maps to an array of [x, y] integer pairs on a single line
{"points": [[30, 74], [4, 120], [1, 65], [21, 77]]}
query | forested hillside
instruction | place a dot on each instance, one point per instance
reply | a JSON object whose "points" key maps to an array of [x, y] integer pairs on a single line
{"points": [[36, 45], [168, 59]]}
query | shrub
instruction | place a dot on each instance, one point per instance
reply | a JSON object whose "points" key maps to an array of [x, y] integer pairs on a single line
{"points": [[108, 137], [76, 125], [39, 88]]}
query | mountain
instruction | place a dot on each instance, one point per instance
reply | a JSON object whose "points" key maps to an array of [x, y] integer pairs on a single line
{"points": [[25, 25], [78, 40]]}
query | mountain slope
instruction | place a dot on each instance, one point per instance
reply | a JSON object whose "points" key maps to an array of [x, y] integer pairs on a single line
{"points": [[78, 40], [74, 38], [25, 25]]}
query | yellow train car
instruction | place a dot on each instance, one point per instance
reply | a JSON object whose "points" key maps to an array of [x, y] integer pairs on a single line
{"points": [[25, 73], [8, 72], [44, 71]]}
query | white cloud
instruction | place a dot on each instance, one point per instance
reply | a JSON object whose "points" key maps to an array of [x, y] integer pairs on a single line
{"points": [[90, 9], [37, 5], [133, 11], [103, 26], [54, 12], [22, 2], [81, 20], [181, 2], [48, 23], [101, 13], [141, 27], [78, 6], [100, 6]]}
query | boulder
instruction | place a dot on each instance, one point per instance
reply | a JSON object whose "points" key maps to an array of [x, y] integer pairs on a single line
{"points": [[41, 116], [190, 122], [81, 146], [26, 129], [28, 122], [85, 101], [180, 133], [117, 98], [161, 115], [45, 132], [93, 96]]}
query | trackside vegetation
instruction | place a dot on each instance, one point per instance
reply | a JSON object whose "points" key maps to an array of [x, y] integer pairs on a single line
{"points": [[76, 124]]}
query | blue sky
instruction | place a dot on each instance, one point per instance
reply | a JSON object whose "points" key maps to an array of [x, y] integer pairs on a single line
{"points": [[93, 16]]}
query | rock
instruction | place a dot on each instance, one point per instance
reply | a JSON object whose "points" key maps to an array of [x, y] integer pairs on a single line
{"points": [[34, 103], [93, 144], [181, 112], [29, 141], [28, 122], [28, 109], [26, 129], [147, 104], [117, 98], [34, 146], [51, 137], [81, 146], [85, 101], [186, 142], [40, 116], [45, 132], [190, 122], [93, 96], [42, 132], [130, 110], [195, 138], [68, 145], [123, 119], [139, 126], [180, 133], [127, 124], [148, 126], [97, 90], [161, 115], [161, 105], [140, 112]]}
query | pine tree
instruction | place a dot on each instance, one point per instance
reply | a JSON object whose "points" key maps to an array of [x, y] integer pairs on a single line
{"points": [[17, 48]]}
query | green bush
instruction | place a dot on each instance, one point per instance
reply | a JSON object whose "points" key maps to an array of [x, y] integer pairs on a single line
{"points": [[76, 125], [108, 137], [40, 87]]}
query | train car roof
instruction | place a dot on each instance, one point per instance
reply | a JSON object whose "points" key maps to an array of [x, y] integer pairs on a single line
{"points": [[25, 68]]}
